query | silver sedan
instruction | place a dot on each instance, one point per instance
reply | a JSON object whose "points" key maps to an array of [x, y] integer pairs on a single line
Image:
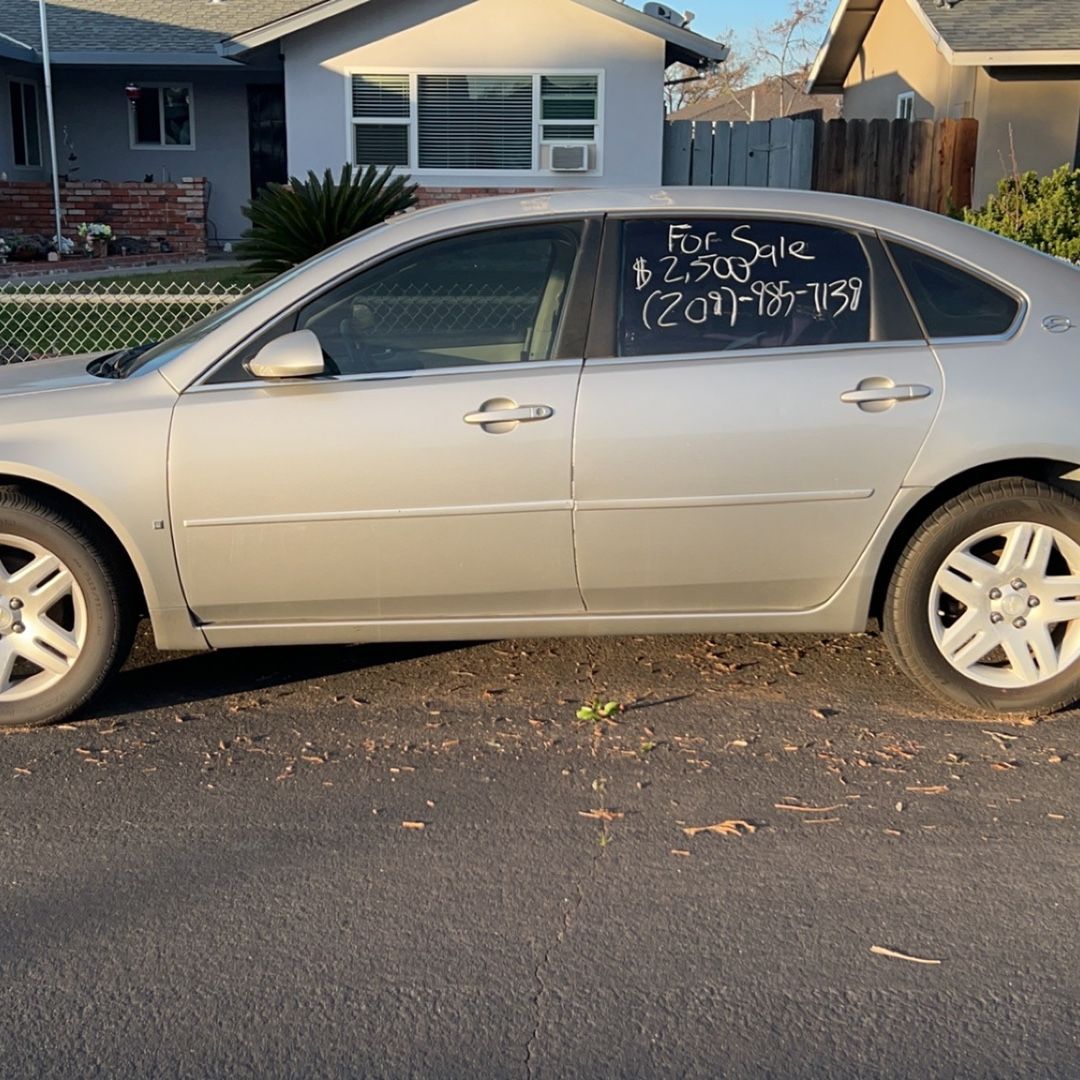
{"points": [[689, 410]]}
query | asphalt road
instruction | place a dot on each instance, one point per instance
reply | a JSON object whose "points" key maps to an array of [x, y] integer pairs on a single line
{"points": [[417, 862]]}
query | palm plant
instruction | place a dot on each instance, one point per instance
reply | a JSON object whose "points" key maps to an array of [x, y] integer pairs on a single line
{"points": [[291, 222]]}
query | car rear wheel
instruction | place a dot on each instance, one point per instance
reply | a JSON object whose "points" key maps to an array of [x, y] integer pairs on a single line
{"points": [[984, 605], [64, 626]]}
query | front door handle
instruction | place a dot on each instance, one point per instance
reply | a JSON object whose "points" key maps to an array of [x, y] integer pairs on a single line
{"points": [[499, 415], [878, 393]]}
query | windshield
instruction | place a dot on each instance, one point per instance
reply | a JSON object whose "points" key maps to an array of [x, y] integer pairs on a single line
{"points": [[121, 364]]}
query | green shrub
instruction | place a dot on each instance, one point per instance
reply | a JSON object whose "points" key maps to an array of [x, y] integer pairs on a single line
{"points": [[1041, 211], [291, 222]]}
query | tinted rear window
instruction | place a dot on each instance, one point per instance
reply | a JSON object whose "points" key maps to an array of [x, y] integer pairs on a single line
{"points": [[707, 285], [950, 301]]}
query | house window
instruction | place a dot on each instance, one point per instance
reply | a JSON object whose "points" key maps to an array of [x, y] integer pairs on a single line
{"points": [[568, 107], [381, 117], [485, 122], [905, 105], [25, 132], [163, 117]]}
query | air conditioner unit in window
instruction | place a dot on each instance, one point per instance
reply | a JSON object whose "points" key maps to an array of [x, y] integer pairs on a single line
{"points": [[570, 158]]}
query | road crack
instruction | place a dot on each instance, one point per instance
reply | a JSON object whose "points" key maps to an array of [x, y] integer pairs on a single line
{"points": [[543, 990]]}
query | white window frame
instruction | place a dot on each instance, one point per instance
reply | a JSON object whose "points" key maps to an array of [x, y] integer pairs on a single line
{"points": [[905, 105], [159, 86], [28, 167], [413, 168]]}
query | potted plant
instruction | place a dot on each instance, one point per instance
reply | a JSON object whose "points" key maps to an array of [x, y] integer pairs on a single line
{"points": [[95, 236]]}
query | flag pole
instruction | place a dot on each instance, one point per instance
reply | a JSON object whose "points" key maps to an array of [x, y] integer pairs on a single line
{"points": [[52, 119]]}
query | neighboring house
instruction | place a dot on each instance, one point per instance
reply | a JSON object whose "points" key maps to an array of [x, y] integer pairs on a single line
{"points": [[1013, 65], [764, 100], [499, 94]]}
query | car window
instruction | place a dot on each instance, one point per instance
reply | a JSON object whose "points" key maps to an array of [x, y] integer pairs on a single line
{"points": [[706, 285], [950, 301], [488, 298]]}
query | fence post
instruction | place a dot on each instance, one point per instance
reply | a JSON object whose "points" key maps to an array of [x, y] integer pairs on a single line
{"points": [[701, 154], [677, 140]]}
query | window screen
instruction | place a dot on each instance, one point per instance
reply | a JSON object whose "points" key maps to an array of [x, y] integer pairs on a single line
{"points": [[489, 298], [711, 285], [568, 106], [950, 301]]}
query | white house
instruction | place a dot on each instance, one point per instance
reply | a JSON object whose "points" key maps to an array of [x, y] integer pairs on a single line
{"points": [[463, 94]]}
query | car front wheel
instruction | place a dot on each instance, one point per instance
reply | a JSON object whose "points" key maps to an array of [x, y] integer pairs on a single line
{"points": [[64, 627], [984, 605]]}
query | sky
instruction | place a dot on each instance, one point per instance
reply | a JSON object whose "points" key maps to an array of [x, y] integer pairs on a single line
{"points": [[742, 16]]}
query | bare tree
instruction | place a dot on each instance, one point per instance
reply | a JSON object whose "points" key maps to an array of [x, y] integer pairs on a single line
{"points": [[683, 86], [778, 56], [786, 49]]}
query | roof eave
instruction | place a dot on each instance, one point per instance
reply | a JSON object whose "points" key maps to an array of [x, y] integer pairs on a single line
{"points": [[1018, 58], [89, 58], [244, 42], [683, 46], [843, 39], [13, 49]]}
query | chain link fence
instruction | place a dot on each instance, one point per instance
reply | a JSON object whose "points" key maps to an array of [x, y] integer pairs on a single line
{"points": [[56, 318]]}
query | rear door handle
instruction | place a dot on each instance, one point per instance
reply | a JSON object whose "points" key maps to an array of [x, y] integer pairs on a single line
{"points": [[520, 414], [878, 394]]}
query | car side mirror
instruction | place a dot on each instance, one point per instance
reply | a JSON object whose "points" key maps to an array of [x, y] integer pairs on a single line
{"points": [[290, 356]]}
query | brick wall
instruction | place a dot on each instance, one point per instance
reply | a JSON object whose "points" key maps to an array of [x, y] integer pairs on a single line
{"points": [[435, 196], [173, 212]]}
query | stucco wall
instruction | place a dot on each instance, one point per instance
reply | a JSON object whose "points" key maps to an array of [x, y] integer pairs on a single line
{"points": [[1044, 115], [898, 55], [478, 36], [10, 69], [93, 105]]}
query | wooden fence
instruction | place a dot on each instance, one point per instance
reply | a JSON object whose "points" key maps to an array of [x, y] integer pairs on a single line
{"points": [[922, 163], [754, 153]]}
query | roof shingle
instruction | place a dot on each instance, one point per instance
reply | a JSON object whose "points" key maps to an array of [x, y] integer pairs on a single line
{"points": [[1006, 25], [139, 25]]}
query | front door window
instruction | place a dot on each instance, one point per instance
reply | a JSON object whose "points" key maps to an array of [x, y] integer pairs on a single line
{"points": [[488, 298]]}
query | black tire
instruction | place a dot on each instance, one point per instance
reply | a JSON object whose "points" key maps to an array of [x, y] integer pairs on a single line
{"points": [[110, 613], [907, 624]]}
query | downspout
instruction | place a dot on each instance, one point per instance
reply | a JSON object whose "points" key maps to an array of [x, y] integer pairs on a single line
{"points": [[52, 121]]}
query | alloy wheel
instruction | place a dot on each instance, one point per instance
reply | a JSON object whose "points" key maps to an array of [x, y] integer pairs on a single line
{"points": [[1005, 605], [43, 620]]}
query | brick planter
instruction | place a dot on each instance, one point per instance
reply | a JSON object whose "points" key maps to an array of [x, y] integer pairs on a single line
{"points": [[174, 213]]}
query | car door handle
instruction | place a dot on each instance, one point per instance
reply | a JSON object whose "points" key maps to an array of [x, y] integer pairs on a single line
{"points": [[519, 414], [879, 393], [907, 392]]}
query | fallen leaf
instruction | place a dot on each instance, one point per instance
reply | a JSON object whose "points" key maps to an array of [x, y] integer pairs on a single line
{"points": [[934, 789], [731, 827], [601, 815], [881, 951], [808, 809], [414, 825], [1056, 759]]}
